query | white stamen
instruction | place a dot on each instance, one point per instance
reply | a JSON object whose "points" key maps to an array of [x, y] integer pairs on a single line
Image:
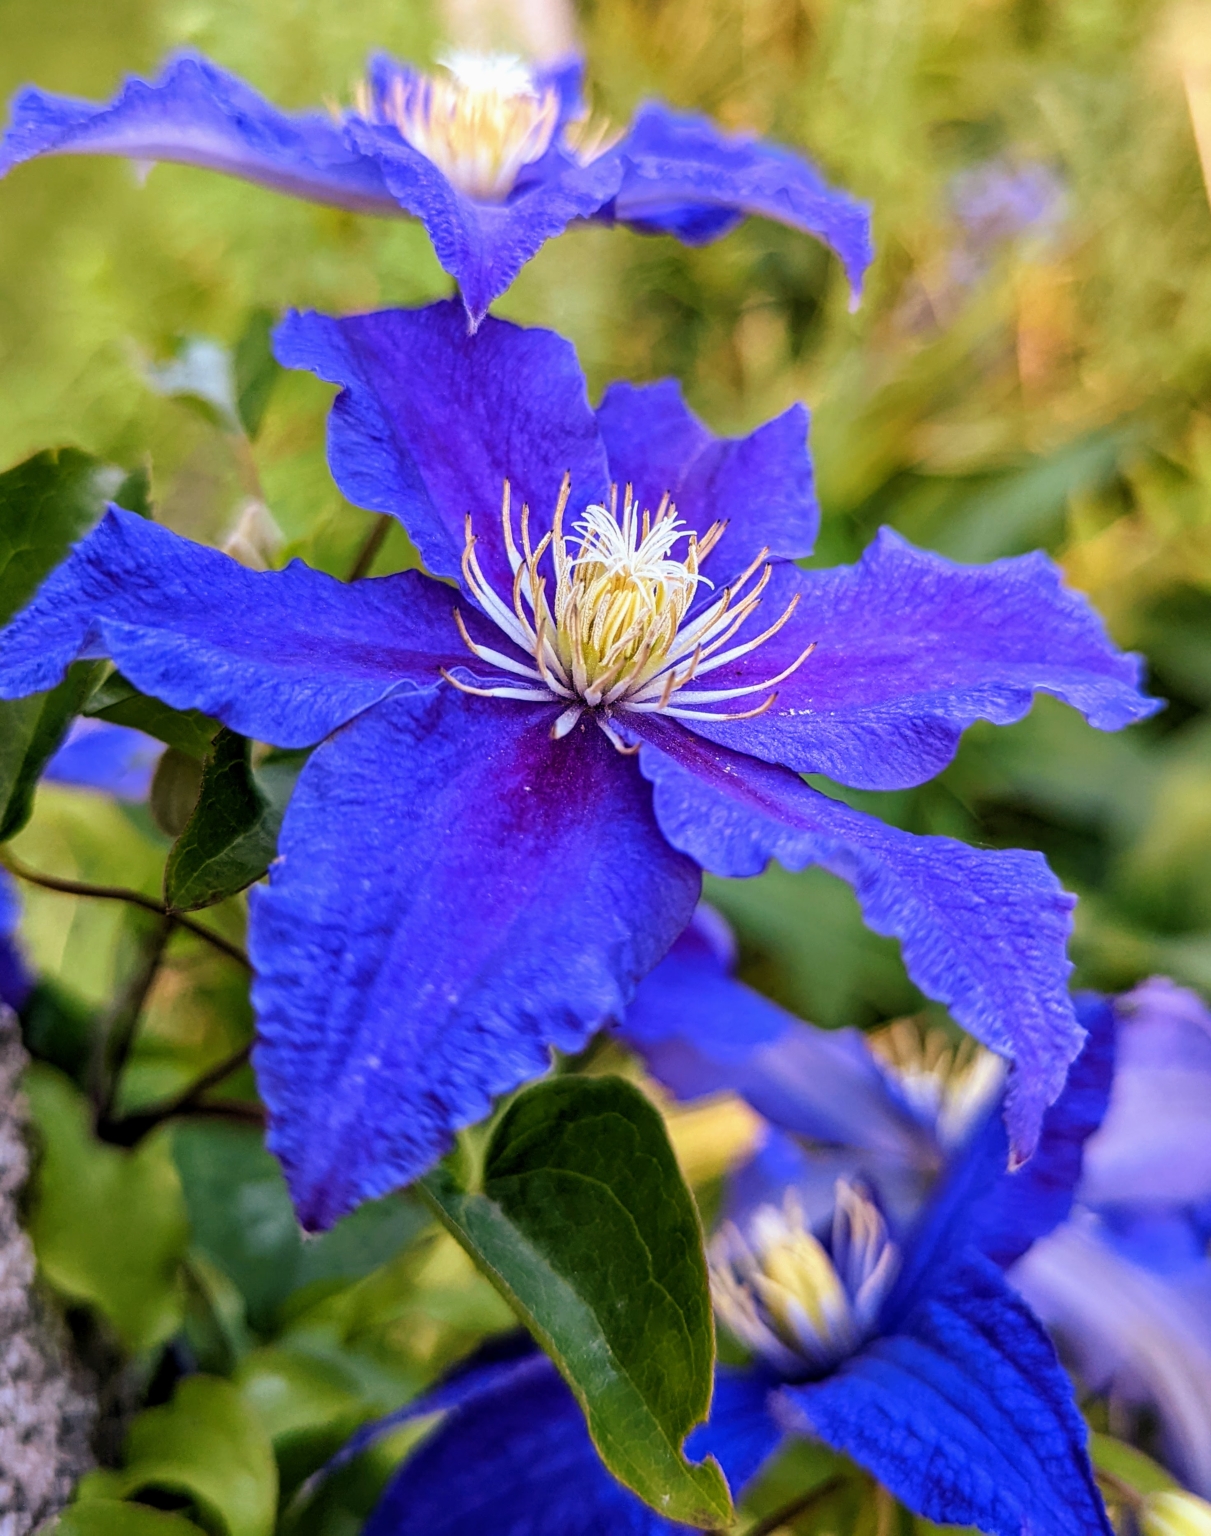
{"points": [[948, 1085], [800, 1306], [480, 123], [617, 635]]}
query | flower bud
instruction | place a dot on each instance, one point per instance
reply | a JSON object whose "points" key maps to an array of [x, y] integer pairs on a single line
{"points": [[1175, 1513]]}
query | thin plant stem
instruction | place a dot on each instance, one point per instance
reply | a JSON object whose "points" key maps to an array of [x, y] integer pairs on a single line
{"points": [[1122, 1491], [371, 547], [120, 893], [117, 1037], [132, 1128], [800, 1506]]}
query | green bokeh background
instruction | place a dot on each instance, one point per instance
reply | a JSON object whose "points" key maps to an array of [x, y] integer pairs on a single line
{"points": [[1052, 389]]}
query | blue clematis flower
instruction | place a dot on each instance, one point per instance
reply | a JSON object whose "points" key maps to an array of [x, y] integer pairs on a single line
{"points": [[15, 979], [493, 157], [1125, 1284], [113, 759], [521, 777], [897, 1341]]}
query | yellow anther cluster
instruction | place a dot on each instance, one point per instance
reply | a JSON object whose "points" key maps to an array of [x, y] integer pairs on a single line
{"points": [[781, 1292], [620, 633], [479, 123], [950, 1083]]}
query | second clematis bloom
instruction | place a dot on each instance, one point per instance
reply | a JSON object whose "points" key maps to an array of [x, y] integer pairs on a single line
{"points": [[892, 1337], [614, 683], [494, 158]]}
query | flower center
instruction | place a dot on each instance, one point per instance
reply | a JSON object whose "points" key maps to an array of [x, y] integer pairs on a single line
{"points": [[801, 1306], [948, 1085], [620, 633], [479, 123]]}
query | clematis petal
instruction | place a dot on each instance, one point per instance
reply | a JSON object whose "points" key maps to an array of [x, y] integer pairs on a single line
{"points": [[513, 1456], [430, 422], [701, 1031], [1130, 1331], [283, 656], [965, 1414], [741, 1433], [1155, 1144], [684, 176], [198, 114], [761, 485], [483, 246], [456, 894], [980, 1203], [15, 979], [910, 649], [983, 932], [114, 759]]}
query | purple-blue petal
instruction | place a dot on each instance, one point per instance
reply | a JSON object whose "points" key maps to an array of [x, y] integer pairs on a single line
{"points": [[15, 979], [700, 1031], [1142, 1336], [981, 1203], [198, 114], [282, 656], [455, 895], [965, 1414], [431, 422], [741, 1433], [483, 245], [761, 485], [984, 932], [513, 1457], [685, 176], [114, 759], [910, 649], [1155, 1144]]}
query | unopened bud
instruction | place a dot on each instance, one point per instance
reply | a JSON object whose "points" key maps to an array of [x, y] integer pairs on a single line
{"points": [[1175, 1513]]}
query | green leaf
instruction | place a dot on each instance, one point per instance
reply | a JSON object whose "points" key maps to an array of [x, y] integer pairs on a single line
{"points": [[188, 730], [30, 732], [256, 370], [243, 1221], [46, 504], [115, 1517], [209, 1445], [108, 1225], [583, 1221], [232, 835]]}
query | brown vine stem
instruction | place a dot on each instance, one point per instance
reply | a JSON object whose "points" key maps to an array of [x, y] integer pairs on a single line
{"points": [[131, 1129], [119, 893]]}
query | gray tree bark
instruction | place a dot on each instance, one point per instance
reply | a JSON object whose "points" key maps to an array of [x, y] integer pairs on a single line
{"points": [[46, 1410]]}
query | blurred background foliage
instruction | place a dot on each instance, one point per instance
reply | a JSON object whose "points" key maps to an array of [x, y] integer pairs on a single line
{"points": [[1031, 366]]}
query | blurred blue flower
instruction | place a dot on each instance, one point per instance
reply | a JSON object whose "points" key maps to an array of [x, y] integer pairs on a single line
{"points": [[999, 200], [1125, 1285], [896, 1341], [15, 979], [493, 157], [114, 759], [636, 673]]}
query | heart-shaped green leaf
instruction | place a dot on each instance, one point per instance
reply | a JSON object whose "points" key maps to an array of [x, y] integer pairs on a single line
{"points": [[583, 1221], [233, 832]]}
